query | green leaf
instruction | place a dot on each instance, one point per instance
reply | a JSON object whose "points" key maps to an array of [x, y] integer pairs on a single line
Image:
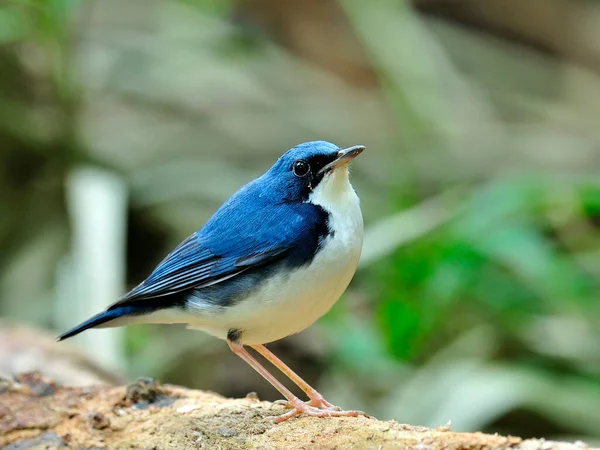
{"points": [[14, 25]]}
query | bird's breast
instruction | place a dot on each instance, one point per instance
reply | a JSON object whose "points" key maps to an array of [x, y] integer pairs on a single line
{"points": [[293, 300]]}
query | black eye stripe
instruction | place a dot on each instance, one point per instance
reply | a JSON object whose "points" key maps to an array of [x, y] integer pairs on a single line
{"points": [[320, 161], [311, 165]]}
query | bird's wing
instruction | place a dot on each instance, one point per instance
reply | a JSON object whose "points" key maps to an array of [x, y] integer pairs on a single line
{"points": [[194, 265], [248, 231]]}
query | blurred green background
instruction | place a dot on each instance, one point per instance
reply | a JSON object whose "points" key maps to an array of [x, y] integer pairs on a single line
{"points": [[124, 125]]}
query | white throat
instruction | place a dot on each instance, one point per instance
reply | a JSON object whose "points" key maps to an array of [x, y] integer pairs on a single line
{"points": [[335, 193]]}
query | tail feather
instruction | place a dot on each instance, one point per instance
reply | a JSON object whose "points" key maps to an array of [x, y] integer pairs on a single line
{"points": [[129, 312], [96, 321]]}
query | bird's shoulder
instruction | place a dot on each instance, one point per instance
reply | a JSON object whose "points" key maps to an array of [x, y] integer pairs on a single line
{"points": [[257, 216]]}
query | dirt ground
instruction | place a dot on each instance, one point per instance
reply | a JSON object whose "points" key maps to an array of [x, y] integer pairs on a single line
{"points": [[35, 413]]}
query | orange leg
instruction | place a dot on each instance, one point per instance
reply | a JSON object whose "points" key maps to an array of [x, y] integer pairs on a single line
{"points": [[316, 399], [297, 406]]}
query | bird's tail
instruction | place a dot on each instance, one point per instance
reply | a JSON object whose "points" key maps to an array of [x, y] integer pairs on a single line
{"points": [[98, 320]]}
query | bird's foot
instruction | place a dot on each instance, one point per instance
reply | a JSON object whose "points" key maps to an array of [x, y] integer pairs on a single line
{"points": [[320, 408], [317, 402]]}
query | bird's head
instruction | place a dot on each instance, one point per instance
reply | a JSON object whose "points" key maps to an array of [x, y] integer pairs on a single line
{"points": [[315, 171]]}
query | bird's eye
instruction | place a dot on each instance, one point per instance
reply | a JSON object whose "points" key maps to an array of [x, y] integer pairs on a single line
{"points": [[301, 168]]}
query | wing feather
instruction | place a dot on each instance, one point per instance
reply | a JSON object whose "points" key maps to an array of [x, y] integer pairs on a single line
{"points": [[227, 246], [192, 266]]}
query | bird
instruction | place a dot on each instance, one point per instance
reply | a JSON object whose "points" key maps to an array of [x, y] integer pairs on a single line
{"points": [[274, 258]]}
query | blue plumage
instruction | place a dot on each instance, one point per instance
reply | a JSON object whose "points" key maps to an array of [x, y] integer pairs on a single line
{"points": [[273, 259], [266, 225]]}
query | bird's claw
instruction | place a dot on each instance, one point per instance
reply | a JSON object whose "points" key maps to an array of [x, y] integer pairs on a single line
{"points": [[314, 407]]}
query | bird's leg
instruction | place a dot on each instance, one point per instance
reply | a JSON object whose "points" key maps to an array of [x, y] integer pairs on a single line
{"points": [[240, 351], [316, 399], [297, 405]]}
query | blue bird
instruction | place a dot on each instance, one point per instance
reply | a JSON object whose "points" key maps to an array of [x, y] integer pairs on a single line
{"points": [[274, 258]]}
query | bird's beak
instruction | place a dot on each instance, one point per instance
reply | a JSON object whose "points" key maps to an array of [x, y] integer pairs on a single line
{"points": [[344, 157]]}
